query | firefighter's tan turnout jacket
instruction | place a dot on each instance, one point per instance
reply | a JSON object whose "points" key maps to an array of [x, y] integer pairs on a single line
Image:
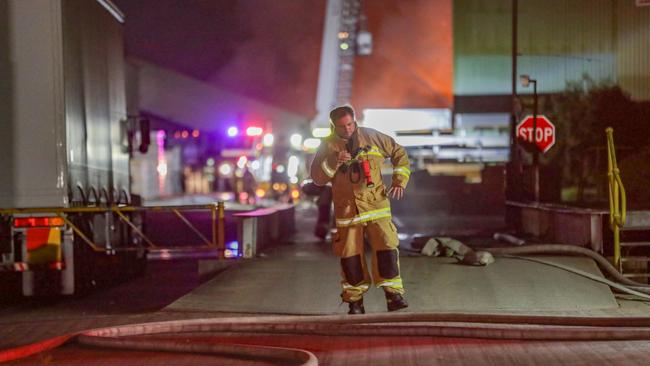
{"points": [[355, 203]]}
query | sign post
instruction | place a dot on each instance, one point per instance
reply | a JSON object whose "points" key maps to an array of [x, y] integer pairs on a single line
{"points": [[539, 131]]}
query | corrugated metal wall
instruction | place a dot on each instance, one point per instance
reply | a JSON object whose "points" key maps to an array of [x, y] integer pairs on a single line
{"points": [[633, 48], [481, 37], [559, 41]]}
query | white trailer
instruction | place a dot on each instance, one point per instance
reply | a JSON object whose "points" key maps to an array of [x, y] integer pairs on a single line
{"points": [[64, 144]]}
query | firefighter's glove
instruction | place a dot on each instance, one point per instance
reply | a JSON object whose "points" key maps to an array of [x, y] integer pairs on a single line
{"points": [[396, 192], [343, 158]]}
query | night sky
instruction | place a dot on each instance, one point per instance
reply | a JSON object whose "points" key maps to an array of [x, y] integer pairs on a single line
{"points": [[270, 49]]}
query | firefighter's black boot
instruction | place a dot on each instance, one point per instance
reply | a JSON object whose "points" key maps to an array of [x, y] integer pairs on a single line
{"points": [[395, 301], [356, 307]]}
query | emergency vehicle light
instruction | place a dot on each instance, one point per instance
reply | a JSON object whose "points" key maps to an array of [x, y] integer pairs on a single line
{"points": [[233, 131], [254, 131], [232, 250], [23, 222]]}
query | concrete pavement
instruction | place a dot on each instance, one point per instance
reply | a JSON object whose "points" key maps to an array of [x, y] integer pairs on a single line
{"points": [[311, 286]]}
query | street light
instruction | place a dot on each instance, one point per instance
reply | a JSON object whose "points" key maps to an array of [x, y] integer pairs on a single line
{"points": [[525, 82]]}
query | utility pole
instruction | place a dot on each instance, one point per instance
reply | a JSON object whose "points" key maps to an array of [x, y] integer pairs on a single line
{"points": [[525, 82], [513, 163], [535, 150], [513, 114]]}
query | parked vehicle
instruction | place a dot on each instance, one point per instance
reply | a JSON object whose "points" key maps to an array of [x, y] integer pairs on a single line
{"points": [[65, 147]]}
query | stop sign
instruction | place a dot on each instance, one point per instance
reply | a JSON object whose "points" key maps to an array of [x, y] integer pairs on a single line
{"points": [[544, 136]]}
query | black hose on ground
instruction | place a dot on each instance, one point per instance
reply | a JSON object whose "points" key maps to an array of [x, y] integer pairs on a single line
{"points": [[645, 294], [508, 238], [571, 249], [468, 255]]}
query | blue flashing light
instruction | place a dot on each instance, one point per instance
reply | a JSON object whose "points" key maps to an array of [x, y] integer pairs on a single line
{"points": [[232, 250], [233, 131]]}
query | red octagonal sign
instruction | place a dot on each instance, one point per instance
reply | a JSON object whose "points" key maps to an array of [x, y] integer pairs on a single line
{"points": [[544, 136]]}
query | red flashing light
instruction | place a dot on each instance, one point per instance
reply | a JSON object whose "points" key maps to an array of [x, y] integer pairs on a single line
{"points": [[24, 222]]}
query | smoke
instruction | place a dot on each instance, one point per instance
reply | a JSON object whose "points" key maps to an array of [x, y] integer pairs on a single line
{"points": [[412, 61], [270, 50]]}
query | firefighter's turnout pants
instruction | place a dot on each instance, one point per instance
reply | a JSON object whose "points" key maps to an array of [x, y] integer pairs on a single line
{"points": [[348, 244]]}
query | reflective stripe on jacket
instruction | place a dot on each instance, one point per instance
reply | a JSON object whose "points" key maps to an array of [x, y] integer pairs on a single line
{"points": [[354, 201]]}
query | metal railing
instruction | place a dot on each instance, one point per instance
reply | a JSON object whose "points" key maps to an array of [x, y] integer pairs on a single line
{"points": [[217, 224], [617, 198]]}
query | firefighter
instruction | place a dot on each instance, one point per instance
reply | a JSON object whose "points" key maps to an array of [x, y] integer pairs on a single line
{"points": [[351, 159]]}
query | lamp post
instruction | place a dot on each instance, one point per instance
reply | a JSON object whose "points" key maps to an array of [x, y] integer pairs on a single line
{"points": [[513, 111], [512, 173], [525, 82]]}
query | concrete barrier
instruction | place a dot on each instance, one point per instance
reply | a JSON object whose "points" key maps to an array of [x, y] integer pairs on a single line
{"points": [[559, 224], [264, 227]]}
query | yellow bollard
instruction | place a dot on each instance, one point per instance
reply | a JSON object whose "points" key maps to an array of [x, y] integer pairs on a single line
{"points": [[617, 197], [221, 229]]}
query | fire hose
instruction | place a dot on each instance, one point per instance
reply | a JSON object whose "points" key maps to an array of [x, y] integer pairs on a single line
{"points": [[488, 326], [572, 249], [458, 325], [468, 255]]}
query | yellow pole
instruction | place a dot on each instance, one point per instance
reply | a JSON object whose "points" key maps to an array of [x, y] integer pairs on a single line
{"points": [[213, 224], [83, 237], [617, 248], [617, 198], [192, 227], [135, 228], [221, 229]]}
